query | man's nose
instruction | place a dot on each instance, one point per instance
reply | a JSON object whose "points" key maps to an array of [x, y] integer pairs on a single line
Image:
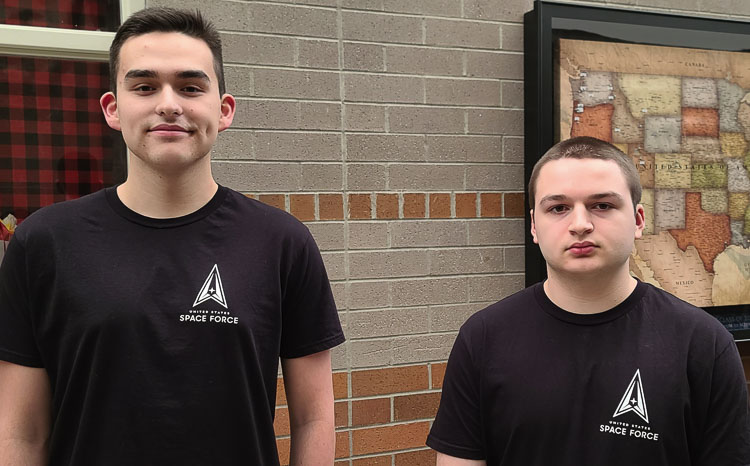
{"points": [[580, 220], [168, 102]]}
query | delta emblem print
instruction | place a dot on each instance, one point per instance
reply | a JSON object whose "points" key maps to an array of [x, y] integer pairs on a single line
{"points": [[212, 290], [632, 401]]}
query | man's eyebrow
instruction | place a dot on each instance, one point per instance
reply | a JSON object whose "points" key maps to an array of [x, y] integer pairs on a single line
{"points": [[193, 74], [135, 74]]}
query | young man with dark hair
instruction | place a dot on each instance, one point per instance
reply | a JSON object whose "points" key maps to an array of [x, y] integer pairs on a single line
{"points": [[591, 367], [143, 324]]}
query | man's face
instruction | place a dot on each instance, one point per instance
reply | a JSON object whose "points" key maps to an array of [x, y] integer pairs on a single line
{"points": [[168, 105], [583, 217]]}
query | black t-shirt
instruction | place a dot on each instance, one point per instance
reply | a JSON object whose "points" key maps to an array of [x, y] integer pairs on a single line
{"points": [[161, 337], [652, 381]]}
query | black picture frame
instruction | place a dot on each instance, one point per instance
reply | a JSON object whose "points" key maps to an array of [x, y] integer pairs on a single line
{"points": [[549, 22]]}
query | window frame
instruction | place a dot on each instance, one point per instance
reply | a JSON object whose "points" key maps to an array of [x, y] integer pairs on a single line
{"points": [[71, 44]]}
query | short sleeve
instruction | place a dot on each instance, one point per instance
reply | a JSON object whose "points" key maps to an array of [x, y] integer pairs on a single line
{"points": [[17, 342], [726, 436], [310, 322], [457, 430]]}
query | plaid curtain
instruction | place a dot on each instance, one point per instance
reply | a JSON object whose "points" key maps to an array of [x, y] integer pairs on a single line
{"points": [[54, 142]]}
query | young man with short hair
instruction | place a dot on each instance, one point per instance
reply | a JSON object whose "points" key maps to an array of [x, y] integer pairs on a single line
{"points": [[591, 367], [143, 324]]}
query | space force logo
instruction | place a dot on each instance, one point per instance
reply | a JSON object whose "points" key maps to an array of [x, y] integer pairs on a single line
{"points": [[632, 401], [212, 290]]}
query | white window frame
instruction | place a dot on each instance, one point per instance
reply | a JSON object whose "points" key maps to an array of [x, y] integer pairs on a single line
{"points": [[71, 44]]}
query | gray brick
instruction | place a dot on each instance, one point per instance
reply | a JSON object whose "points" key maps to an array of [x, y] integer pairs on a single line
{"points": [[364, 57], [464, 148], [258, 50], [429, 291], [388, 264], [512, 94], [462, 33], [428, 233], [463, 92], [364, 117], [494, 287], [451, 317], [226, 15], [335, 263], [287, 19], [318, 54], [300, 84], [365, 177], [466, 261], [426, 120], [319, 115], [425, 177], [321, 177], [369, 294], [329, 236], [340, 295], [382, 88], [514, 259], [512, 37], [340, 357], [424, 7], [495, 232], [378, 27], [368, 235], [513, 149], [371, 353], [495, 121], [507, 10], [330, 3], [374, 5], [266, 114], [384, 147], [500, 65], [494, 177], [692, 5], [422, 348], [389, 322], [275, 145], [239, 80], [733, 7], [233, 144], [254, 177], [424, 60]]}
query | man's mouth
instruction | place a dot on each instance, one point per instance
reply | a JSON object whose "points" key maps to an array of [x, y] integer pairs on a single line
{"points": [[169, 130], [582, 249]]}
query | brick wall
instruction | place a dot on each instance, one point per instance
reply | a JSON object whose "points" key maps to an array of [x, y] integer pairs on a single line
{"points": [[393, 128]]}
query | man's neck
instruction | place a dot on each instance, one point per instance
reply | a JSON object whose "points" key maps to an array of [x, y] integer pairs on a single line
{"points": [[591, 294], [159, 195]]}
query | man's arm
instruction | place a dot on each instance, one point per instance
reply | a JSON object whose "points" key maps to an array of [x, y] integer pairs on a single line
{"points": [[445, 460], [309, 393], [24, 415]]}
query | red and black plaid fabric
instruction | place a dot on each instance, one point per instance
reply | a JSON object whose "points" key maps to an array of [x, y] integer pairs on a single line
{"points": [[54, 142], [91, 15]]}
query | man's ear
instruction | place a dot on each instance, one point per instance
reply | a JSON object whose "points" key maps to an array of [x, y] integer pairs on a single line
{"points": [[228, 106], [640, 221], [108, 103], [533, 227]]}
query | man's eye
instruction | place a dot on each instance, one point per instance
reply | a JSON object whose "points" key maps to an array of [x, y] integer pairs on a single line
{"points": [[558, 209], [144, 88], [602, 206], [191, 89]]}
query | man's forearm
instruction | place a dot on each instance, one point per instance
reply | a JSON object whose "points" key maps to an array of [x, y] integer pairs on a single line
{"points": [[18, 452], [313, 443]]}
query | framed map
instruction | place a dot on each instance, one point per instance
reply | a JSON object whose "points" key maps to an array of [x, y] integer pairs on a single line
{"points": [[674, 94]]}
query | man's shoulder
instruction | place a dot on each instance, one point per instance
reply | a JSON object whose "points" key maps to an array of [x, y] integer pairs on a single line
{"points": [[61, 215], [505, 312]]}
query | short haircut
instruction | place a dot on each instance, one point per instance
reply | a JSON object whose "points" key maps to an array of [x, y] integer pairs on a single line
{"points": [[584, 147], [162, 19]]}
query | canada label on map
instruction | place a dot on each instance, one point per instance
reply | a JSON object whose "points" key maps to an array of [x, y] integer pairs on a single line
{"points": [[684, 120]]}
